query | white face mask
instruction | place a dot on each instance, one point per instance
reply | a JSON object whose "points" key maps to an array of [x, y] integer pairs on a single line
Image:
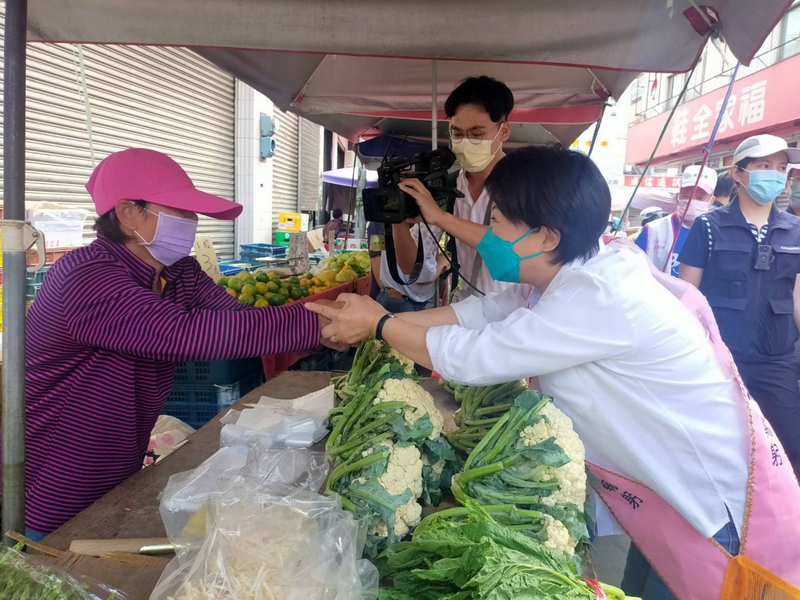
{"points": [[475, 157]]}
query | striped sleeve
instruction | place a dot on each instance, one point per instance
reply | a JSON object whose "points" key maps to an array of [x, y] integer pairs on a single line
{"points": [[103, 312]]}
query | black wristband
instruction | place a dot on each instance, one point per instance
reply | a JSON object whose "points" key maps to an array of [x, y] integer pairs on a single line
{"points": [[381, 323]]}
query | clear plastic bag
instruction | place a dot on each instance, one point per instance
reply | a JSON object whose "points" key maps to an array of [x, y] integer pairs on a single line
{"points": [[276, 542], [297, 423], [186, 495], [24, 576]]}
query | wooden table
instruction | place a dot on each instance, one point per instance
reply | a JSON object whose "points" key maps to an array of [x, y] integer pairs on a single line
{"points": [[131, 509]]}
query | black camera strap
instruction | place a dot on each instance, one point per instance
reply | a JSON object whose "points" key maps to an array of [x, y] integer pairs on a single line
{"points": [[391, 257]]}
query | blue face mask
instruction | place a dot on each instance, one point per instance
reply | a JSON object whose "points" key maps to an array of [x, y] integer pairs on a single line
{"points": [[765, 186], [794, 194], [499, 256]]}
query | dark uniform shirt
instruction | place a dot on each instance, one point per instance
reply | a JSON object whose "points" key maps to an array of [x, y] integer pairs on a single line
{"points": [[754, 308]]}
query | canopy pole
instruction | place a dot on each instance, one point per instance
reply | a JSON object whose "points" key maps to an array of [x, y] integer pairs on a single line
{"points": [[434, 110], [658, 141], [706, 151], [14, 266], [434, 144], [596, 131]]}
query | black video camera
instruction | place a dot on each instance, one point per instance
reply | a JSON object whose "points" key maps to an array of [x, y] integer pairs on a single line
{"points": [[389, 204]]}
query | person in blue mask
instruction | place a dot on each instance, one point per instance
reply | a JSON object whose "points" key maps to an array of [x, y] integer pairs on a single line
{"points": [[793, 190], [619, 353], [745, 258]]}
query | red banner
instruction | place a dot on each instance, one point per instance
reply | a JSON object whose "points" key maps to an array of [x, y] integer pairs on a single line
{"points": [[763, 101]]}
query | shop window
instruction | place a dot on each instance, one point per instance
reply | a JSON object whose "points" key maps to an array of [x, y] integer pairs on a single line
{"points": [[790, 33]]}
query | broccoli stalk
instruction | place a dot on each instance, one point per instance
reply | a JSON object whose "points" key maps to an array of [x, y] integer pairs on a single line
{"points": [[371, 357], [481, 408], [499, 471]]}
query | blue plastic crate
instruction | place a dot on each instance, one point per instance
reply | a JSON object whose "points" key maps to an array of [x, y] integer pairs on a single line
{"points": [[30, 291], [216, 371], [196, 405], [37, 276], [253, 251], [232, 267]]}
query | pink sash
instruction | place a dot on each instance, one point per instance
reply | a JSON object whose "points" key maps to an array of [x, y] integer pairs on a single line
{"points": [[692, 566]]}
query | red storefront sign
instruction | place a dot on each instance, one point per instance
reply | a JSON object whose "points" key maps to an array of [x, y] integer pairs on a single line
{"points": [[668, 183], [763, 101]]}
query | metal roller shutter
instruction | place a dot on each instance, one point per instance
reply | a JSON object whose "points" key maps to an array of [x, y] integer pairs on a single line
{"points": [[285, 166], [167, 99], [310, 166]]}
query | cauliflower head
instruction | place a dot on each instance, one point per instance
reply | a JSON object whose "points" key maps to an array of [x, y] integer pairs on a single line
{"points": [[418, 402], [557, 536], [571, 476], [408, 364], [406, 518], [404, 471], [437, 467]]}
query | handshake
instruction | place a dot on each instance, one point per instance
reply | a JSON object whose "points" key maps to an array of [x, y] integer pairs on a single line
{"points": [[348, 321]]}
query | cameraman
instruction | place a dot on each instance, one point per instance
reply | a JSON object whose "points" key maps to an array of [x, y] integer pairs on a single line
{"points": [[478, 110], [397, 297]]}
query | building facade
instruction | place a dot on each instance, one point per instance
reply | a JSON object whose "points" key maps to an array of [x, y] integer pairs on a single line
{"points": [[85, 102], [763, 100]]}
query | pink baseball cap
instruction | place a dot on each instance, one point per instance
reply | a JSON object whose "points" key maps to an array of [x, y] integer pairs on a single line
{"points": [[708, 180], [139, 174]]}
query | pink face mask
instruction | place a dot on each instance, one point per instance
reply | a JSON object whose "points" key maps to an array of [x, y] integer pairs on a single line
{"points": [[697, 209], [173, 239]]}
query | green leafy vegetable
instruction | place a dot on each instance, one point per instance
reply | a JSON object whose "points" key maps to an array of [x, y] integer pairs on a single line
{"points": [[533, 463], [478, 558], [21, 578]]}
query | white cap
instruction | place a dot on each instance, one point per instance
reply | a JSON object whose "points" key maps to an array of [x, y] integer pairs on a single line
{"points": [[708, 180], [760, 146]]}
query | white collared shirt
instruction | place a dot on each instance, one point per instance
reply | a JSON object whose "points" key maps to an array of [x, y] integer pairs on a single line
{"points": [[473, 210], [632, 368], [425, 287]]}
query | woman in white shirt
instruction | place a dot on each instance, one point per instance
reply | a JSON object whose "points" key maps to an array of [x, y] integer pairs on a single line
{"points": [[622, 356]]}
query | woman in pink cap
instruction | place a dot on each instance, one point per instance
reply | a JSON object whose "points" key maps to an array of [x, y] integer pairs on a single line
{"points": [[109, 324]]}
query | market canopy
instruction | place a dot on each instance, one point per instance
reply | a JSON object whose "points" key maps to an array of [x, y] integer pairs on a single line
{"points": [[348, 177], [365, 68]]}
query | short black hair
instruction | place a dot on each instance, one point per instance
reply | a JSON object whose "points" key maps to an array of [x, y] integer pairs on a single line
{"points": [[491, 95], [743, 164], [724, 187], [107, 225], [556, 188], [337, 213]]}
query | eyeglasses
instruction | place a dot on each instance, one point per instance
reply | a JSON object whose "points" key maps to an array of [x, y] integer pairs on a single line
{"points": [[473, 135]]}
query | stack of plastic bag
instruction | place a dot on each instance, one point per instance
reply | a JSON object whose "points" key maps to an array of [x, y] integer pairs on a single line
{"points": [[273, 538], [297, 423]]}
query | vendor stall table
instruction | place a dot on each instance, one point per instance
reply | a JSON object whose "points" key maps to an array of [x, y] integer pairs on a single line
{"points": [[275, 364], [131, 509]]}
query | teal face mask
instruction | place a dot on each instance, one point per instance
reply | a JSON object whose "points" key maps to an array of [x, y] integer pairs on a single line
{"points": [[499, 257], [765, 186]]}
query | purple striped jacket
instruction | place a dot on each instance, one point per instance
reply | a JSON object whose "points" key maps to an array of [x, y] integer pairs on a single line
{"points": [[101, 349]]}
